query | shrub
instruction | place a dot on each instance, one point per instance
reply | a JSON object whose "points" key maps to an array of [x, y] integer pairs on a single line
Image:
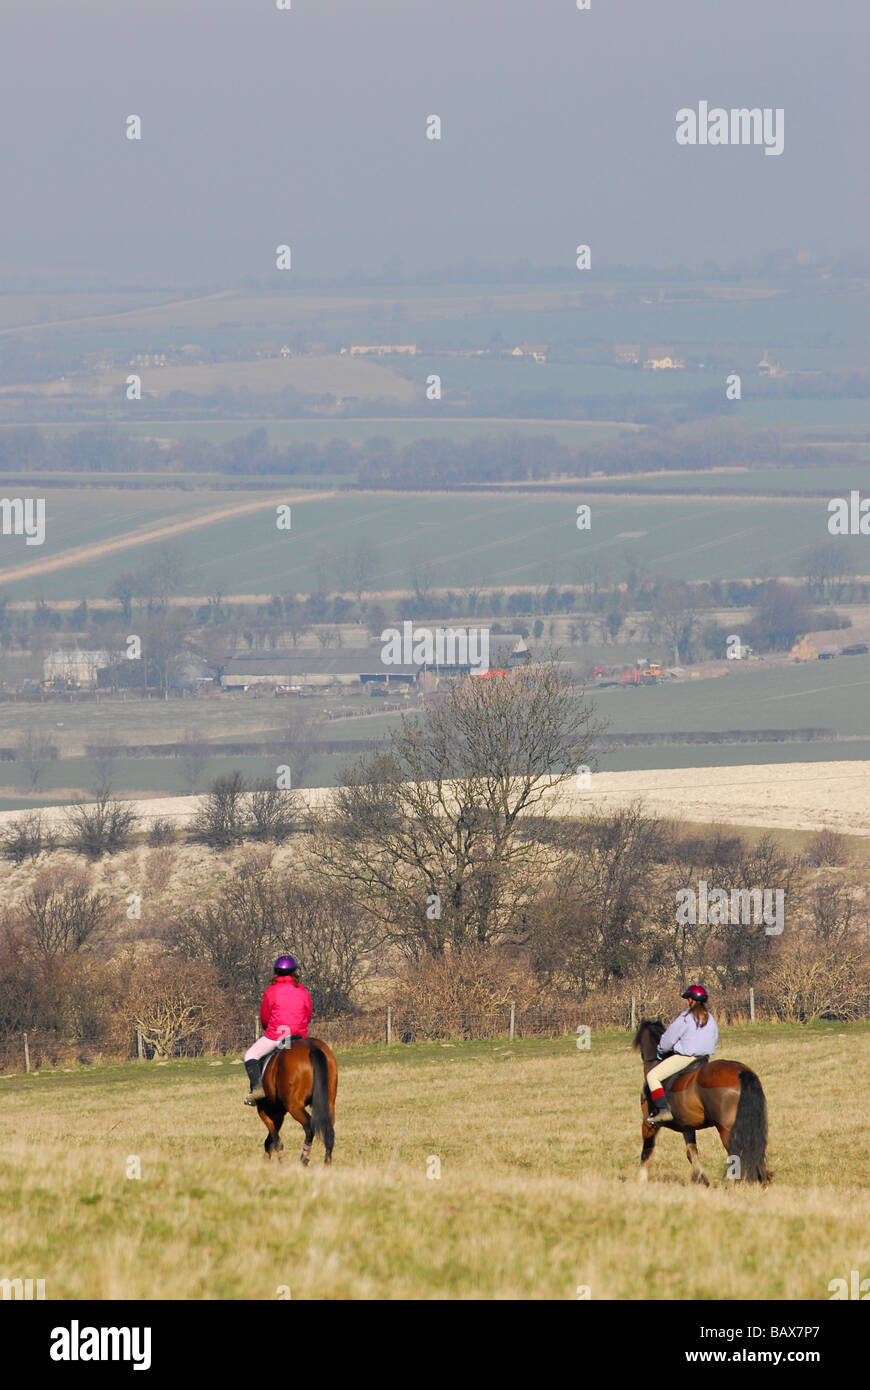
{"points": [[808, 982], [64, 919], [454, 995], [161, 833], [158, 870], [174, 1003], [828, 849], [220, 819], [27, 837], [272, 812], [103, 827]]}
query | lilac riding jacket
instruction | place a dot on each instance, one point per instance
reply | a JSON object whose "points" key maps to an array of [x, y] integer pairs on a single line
{"points": [[684, 1036]]}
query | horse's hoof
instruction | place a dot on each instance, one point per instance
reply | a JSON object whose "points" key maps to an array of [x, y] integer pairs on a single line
{"points": [[304, 1160]]}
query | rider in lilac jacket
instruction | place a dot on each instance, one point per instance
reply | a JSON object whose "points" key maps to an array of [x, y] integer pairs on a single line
{"points": [[693, 1033]]}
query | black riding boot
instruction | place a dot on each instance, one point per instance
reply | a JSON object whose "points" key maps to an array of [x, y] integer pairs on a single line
{"points": [[257, 1092], [660, 1111]]}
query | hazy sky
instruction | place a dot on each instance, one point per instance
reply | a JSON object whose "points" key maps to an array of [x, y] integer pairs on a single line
{"points": [[308, 127]]}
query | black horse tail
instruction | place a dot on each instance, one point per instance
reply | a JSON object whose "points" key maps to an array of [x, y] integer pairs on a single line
{"points": [[320, 1116], [748, 1141]]}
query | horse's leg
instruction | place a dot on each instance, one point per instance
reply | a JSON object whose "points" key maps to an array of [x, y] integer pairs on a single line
{"points": [[698, 1174], [277, 1142], [301, 1115], [272, 1119], [646, 1154], [725, 1136], [650, 1134]]}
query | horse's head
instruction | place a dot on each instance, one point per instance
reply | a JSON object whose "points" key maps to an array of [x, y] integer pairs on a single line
{"points": [[646, 1039]]}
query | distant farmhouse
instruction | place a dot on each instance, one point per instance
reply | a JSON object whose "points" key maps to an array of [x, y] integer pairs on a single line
{"points": [[767, 368], [148, 359], [665, 364], [380, 350]]}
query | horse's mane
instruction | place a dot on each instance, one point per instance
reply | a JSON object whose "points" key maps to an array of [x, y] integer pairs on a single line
{"points": [[651, 1025]]}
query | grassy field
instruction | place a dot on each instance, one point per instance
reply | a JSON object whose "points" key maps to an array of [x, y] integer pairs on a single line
{"points": [[400, 430], [494, 539], [816, 694], [538, 1145], [846, 414], [313, 375]]}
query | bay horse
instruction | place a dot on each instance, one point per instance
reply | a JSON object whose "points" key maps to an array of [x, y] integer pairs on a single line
{"points": [[721, 1093], [303, 1073]]}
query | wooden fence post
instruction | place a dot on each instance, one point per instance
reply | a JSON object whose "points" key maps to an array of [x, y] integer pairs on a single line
{"points": [[140, 1050], [633, 1014], [389, 1025], [751, 1005], [513, 1019], [26, 1054]]}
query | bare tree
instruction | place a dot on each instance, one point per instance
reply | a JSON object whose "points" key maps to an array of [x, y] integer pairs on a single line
{"points": [[125, 587], [64, 918], [826, 567], [427, 835], [297, 744], [193, 753], [162, 577], [252, 917], [362, 565], [423, 576], [35, 751], [104, 757], [675, 616]]}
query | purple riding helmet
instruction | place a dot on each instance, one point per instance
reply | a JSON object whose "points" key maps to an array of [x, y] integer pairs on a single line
{"points": [[284, 964]]}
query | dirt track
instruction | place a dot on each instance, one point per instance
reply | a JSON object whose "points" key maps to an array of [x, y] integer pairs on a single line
{"points": [[84, 553]]}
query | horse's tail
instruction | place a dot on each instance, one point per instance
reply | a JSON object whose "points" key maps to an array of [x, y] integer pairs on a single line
{"points": [[321, 1117], [748, 1140]]}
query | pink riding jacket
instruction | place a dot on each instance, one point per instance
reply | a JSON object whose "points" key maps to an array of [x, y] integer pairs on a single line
{"points": [[286, 1008]]}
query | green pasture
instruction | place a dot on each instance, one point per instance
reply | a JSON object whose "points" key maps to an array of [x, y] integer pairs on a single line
{"points": [[490, 539], [462, 1170]]}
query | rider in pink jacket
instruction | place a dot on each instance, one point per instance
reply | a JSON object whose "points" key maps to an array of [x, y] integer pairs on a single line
{"points": [[286, 1009]]}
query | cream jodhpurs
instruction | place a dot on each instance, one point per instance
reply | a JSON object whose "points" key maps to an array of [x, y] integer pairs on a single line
{"points": [[655, 1077]]}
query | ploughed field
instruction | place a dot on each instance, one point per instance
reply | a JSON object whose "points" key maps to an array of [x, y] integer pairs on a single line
{"points": [[537, 1143]]}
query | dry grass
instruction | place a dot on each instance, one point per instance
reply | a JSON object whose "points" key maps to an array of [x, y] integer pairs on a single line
{"points": [[536, 1194]]}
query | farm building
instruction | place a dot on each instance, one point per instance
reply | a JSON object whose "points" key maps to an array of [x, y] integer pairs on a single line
{"points": [[74, 667], [312, 668]]}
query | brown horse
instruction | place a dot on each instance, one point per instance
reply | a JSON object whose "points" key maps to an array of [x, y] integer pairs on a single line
{"points": [[725, 1094], [305, 1073]]}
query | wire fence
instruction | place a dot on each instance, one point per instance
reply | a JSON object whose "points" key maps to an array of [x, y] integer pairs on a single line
{"points": [[388, 1026]]}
